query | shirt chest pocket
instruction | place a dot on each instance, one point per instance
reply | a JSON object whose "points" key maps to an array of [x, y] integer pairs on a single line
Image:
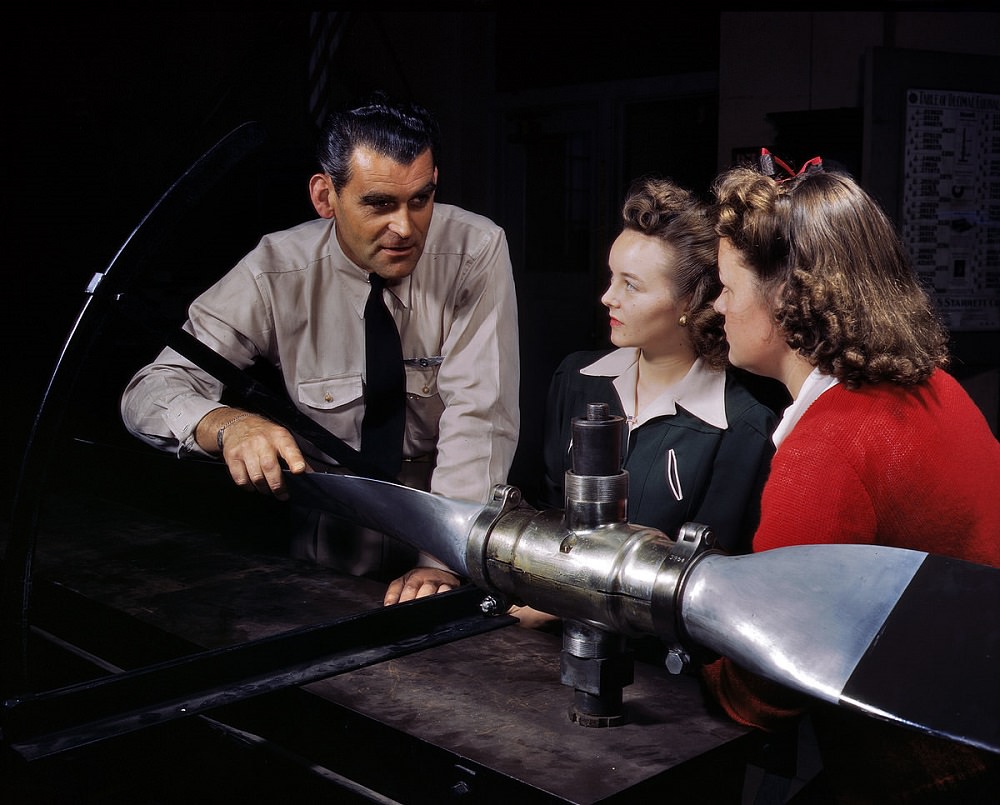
{"points": [[331, 393], [424, 403], [421, 377]]}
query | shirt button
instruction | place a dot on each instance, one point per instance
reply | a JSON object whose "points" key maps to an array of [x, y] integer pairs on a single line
{"points": [[426, 389], [328, 397]]}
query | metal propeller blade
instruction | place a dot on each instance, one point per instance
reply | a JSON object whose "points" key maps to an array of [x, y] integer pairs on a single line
{"points": [[900, 635], [896, 634], [438, 525]]}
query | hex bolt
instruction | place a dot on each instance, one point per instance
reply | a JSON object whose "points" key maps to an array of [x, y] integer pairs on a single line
{"points": [[677, 660], [489, 606]]}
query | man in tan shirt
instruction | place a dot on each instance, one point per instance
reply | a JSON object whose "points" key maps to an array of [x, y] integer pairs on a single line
{"points": [[297, 301]]}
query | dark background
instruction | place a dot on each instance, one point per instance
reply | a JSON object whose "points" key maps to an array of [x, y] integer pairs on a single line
{"points": [[546, 118]]}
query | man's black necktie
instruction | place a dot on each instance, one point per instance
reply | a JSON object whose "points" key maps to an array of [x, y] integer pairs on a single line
{"points": [[385, 390]]}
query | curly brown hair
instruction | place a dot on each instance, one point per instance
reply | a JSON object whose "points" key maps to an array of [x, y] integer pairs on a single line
{"points": [[662, 209], [844, 293]]}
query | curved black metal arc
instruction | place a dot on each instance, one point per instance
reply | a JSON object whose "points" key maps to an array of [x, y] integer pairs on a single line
{"points": [[180, 198]]}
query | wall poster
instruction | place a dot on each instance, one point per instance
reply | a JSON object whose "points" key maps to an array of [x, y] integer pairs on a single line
{"points": [[951, 202]]}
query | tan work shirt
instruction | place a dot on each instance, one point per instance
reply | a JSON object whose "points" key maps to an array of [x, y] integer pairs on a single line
{"points": [[297, 302]]}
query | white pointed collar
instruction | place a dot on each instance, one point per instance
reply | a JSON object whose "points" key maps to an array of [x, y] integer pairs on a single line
{"points": [[702, 391]]}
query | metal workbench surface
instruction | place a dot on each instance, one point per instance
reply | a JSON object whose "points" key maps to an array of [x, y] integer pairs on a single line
{"points": [[484, 713]]}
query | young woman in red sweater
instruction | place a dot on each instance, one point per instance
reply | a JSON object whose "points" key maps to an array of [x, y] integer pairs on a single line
{"points": [[879, 445]]}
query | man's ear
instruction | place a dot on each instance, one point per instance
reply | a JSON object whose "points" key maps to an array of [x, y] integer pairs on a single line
{"points": [[323, 195]]}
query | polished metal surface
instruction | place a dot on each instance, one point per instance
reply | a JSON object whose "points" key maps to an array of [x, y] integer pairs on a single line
{"points": [[437, 525], [804, 615]]}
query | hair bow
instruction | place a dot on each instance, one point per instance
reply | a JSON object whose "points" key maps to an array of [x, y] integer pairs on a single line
{"points": [[768, 161]]}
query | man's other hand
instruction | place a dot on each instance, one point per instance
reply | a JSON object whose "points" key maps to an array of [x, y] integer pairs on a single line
{"points": [[418, 583]]}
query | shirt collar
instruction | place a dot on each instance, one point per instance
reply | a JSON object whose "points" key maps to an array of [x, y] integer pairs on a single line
{"points": [[815, 384], [702, 391], [358, 277]]}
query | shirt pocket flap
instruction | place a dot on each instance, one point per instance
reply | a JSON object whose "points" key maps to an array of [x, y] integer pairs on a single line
{"points": [[421, 378], [331, 392]]}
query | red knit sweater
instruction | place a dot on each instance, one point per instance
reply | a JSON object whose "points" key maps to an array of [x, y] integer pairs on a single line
{"points": [[912, 468]]}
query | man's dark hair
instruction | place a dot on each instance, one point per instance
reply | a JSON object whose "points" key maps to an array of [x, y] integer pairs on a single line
{"points": [[401, 131]]}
